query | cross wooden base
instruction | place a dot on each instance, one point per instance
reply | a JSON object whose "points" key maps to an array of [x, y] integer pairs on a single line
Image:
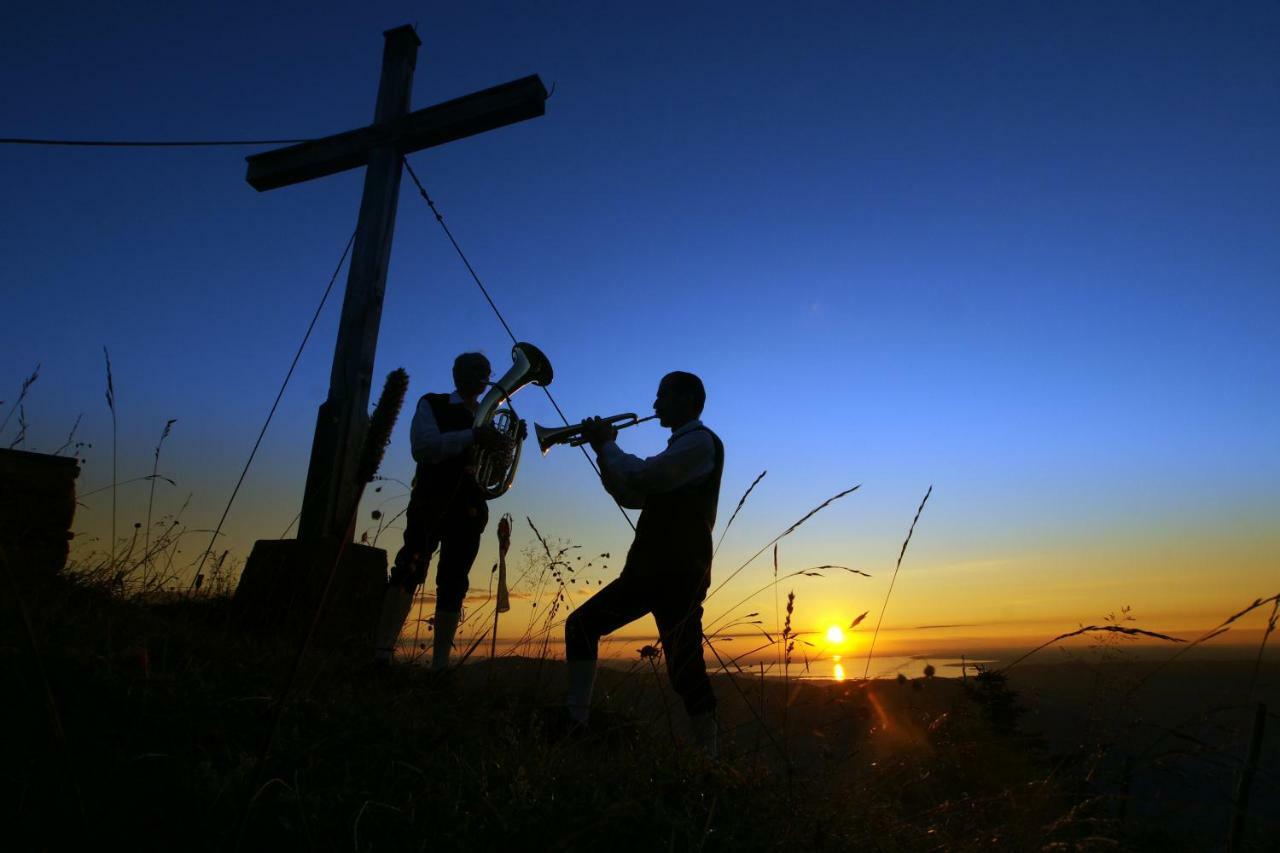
{"points": [[37, 504], [283, 580]]}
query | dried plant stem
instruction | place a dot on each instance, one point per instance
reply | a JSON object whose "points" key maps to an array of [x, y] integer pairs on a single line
{"points": [[21, 437], [733, 661], [781, 535], [71, 436], [741, 501], [113, 484], [788, 645], [1219, 630], [759, 719], [872, 645], [1257, 662], [111, 404], [22, 395], [151, 499], [1090, 629], [776, 615], [812, 571]]}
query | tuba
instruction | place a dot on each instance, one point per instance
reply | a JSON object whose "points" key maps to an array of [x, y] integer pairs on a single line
{"points": [[494, 471]]}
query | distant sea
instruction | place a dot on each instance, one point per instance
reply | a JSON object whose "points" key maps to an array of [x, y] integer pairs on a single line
{"points": [[822, 664], [842, 667]]}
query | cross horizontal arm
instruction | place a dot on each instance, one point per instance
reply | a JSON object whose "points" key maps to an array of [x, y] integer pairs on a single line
{"points": [[488, 109]]}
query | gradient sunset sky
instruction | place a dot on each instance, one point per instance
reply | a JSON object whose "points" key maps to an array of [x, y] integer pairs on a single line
{"points": [[1025, 253]]}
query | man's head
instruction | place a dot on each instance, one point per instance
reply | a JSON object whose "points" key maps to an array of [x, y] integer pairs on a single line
{"points": [[471, 373], [680, 399]]}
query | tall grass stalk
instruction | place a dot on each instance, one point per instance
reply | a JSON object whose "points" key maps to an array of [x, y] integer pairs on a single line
{"points": [[71, 437], [111, 404], [1257, 662], [1221, 628], [1094, 629], [742, 500], [872, 646], [745, 701], [811, 572], [22, 395], [151, 499], [777, 657], [788, 646], [810, 514], [113, 484], [21, 437]]}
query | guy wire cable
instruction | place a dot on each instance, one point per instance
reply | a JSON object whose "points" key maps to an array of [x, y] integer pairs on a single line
{"points": [[262, 433], [144, 143], [440, 218]]}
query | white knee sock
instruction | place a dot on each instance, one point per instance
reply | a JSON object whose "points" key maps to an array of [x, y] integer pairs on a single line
{"points": [[704, 733], [582, 678], [396, 604], [446, 624]]}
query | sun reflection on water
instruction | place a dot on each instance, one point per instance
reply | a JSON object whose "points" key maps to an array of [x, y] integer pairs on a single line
{"points": [[837, 668]]}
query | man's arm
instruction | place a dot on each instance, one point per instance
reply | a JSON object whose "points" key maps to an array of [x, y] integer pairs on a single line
{"points": [[428, 443], [626, 498], [689, 457]]}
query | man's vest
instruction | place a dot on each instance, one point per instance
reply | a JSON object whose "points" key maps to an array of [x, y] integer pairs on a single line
{"points": [[448, 483], [673, 535]]}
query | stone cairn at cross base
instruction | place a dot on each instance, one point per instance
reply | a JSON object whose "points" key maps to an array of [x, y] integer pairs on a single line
{"points": [[283, 581]]}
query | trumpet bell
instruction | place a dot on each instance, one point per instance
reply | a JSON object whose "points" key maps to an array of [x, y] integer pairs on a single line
{"points": [[549, 437]]}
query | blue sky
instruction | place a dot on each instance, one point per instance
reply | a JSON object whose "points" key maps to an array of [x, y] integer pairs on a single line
{"points": [[1023, 252]]}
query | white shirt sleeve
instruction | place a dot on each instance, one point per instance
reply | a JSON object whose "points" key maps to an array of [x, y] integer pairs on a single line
{"points": [[688, 457], [428, 443]]}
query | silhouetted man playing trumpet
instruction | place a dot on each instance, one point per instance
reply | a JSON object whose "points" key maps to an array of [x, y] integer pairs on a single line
{"points": [[447, 509], [668, 567]]}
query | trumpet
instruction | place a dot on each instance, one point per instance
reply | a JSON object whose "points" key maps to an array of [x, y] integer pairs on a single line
{"points": [[549, 437]]}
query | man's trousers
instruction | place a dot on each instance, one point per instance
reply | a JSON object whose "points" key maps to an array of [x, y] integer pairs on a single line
{"points": [[455, 529], [675, 600]]}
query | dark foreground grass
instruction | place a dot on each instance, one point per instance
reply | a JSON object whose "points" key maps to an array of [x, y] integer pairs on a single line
{"points": [[164, 708]]}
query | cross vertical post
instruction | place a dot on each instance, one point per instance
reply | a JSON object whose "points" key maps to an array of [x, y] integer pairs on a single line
{"points": [[328, 501], [285, 580]]}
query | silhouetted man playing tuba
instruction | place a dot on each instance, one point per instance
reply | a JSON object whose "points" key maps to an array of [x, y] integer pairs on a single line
{"points": [[447, 509], [668, 567]]}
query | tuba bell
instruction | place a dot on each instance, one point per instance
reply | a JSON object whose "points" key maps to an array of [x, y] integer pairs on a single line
{"points": [[494, 471]]}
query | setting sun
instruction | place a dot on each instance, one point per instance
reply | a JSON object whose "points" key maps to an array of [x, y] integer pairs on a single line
{"points": [[835, 635]]}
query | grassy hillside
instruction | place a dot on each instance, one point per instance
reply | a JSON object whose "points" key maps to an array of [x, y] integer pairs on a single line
{"points": [[151, 733]]}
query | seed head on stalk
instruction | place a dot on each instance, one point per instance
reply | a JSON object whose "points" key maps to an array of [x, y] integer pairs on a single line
{"points": [[381, 422]]}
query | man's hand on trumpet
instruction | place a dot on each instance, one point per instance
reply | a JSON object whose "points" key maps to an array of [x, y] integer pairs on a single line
{"points": [[598, 433]]}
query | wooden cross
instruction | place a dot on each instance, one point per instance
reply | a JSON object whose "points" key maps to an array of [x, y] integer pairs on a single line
{"points": [[331, 491]]}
